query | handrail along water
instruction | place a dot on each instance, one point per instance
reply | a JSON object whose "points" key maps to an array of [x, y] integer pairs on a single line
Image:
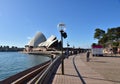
{"points": [[46, 77]]}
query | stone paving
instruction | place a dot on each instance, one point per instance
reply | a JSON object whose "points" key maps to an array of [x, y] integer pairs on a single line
{"points": [[71, 77]]}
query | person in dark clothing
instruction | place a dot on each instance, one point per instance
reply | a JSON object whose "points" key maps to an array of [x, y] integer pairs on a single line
{"points": [[88, 56], [67, 53]]}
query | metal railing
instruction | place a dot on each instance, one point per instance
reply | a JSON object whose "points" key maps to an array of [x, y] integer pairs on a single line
{"points": [[27, 75], [49, 73], [40, 74]]}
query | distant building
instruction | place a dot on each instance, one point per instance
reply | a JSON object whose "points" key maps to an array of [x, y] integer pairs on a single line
{"points": [[97, 50], [35, 41], [10, 49], [50, 42], [40, 41]]}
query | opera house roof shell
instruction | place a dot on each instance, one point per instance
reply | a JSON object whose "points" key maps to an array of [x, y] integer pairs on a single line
{"points": [[39, 38], [51, 40], [40, 41]]}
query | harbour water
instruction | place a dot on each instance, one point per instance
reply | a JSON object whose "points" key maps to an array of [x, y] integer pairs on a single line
{"points": [[15, 62]]}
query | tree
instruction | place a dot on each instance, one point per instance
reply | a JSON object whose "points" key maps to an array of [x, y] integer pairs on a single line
{"points": [[118, 33], [99, 33], [94, 44], [112, 36], [103, 40], [115, 44]]}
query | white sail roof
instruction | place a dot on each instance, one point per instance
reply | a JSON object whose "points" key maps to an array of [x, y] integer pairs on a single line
{"points": [[39, 38]]}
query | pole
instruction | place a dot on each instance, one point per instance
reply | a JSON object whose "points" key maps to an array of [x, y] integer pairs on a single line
{"points": [[62, 69]]}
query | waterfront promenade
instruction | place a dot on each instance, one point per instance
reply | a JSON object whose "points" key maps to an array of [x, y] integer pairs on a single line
{"points": [[71, 76]]}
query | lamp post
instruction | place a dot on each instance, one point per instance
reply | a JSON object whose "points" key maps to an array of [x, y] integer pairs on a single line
{"points": [[61, 26]]}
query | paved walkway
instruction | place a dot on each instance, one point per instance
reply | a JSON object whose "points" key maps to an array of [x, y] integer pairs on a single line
{"points": [[71, 77]]}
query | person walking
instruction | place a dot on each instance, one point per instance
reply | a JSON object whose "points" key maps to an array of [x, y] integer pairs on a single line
{"points": [[88, 56], [67, 53]]}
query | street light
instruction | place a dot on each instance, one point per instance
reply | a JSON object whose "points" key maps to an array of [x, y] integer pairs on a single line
{"points": [[62, 26]]}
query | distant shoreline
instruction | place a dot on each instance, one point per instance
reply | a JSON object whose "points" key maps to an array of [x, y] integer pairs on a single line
{"points": [[12, 49]]}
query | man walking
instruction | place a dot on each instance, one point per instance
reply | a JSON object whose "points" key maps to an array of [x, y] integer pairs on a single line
{"points": [[88, 56]]}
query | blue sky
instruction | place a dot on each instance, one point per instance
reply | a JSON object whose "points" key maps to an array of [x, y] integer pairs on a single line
{"points": [[21, 19]]}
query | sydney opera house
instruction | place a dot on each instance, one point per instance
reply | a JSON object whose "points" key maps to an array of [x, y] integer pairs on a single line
{"points": [[39, 42]]}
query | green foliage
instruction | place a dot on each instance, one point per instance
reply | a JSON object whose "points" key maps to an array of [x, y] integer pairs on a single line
{"points": [[99, 33], [111, 36], [103, 40], [115, 44], [94, 44]]}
